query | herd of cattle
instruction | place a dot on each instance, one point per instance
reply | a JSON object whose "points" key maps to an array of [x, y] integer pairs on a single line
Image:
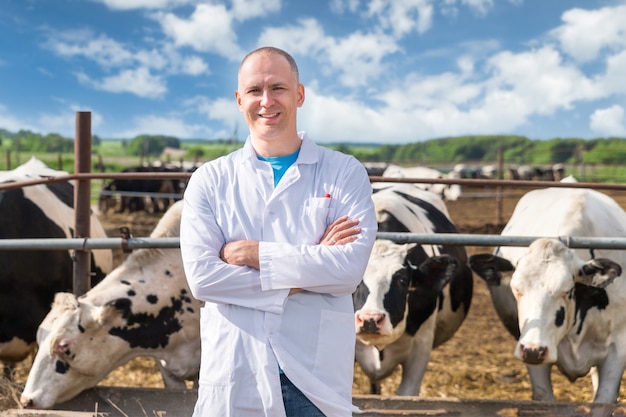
{"points": [[559, 303]]}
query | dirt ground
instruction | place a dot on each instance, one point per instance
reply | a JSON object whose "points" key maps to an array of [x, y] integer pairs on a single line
{"points": [[477, 363]]}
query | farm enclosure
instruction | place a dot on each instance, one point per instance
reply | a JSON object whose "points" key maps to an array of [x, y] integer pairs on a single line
{"points": [[477, 363]]}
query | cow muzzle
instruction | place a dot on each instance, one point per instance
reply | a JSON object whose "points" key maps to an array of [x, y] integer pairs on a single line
{"points": [[533, 355], [369, 322], [27, 403]]}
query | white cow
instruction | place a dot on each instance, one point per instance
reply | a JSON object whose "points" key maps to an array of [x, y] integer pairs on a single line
{"points": [[450, 192], [142, 308], [563, 304]]}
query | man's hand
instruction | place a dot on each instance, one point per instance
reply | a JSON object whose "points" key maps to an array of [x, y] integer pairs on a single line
{"points": [[242, 253], [340, 232], [246, 252]]}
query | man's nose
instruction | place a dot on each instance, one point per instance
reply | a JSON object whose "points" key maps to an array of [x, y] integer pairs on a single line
{"points": [[267, 98]]}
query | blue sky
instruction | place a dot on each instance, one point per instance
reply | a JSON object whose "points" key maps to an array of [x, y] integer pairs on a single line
{"points": [[375, 71]]}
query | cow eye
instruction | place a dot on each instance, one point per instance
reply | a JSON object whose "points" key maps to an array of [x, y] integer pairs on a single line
{"points": [[402, 281]]}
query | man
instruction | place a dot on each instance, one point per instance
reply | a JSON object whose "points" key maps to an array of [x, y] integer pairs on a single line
{"points": [[275, 237]]}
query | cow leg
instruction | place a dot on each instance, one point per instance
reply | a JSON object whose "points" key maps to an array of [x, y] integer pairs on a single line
{"points": [[540, 382], [414, 367], [371, 361], [375, 387], [170, 380], [609, 377]]}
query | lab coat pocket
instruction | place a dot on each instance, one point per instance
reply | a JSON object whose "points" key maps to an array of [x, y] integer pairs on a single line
{"points": [[334, 361], [314, 220]]}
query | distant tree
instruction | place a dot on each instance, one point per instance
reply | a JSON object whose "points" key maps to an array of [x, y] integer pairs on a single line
{"points": [[56, 143], [343, 148], [605, 151], [152, 145]]}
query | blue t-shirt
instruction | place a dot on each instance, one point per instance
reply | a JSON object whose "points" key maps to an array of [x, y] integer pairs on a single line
{"points": [[280, 164]]}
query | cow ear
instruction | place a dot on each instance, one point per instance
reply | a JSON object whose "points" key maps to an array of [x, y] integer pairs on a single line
{"points": [[489, 267], [599, 272], [439, 271], [65, 301], [413, 254]]}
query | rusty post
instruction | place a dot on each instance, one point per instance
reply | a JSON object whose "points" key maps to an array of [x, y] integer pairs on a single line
{"points": [[499, 202], [82, 200]]}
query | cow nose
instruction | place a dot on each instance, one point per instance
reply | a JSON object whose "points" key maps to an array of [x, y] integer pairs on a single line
{"points": [[27, 402], [369, 322], [533, 355]]}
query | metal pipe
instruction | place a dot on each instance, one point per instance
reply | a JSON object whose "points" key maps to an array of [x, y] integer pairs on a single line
{"points": [[460, 181], [458, 239], [499, 240], [88, 243]]}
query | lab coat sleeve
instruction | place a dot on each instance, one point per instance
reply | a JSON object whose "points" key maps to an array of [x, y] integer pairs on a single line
{"points": [[337, 269], [209, 277]]}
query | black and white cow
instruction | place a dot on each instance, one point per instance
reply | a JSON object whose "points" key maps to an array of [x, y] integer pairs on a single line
{"points": [[29, 279], [132, 203], [412, 297], [450, 192], [562, 304], [142, 308]]}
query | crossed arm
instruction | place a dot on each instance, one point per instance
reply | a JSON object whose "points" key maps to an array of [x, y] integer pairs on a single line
{"points": [[246, 252]]}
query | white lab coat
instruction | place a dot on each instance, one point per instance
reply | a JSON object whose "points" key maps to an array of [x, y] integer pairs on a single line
{"points": [[249, 324]]}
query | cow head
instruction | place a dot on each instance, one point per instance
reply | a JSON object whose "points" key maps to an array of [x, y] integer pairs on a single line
{"points": [[72, 340], [549, 283], [400, 282]]}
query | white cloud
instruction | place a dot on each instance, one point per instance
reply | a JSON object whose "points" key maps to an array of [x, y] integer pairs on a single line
{"points": [[613, 81], [480, 6], [357, 58], [541, 79], [585, 33], [247, 9], [12, 123], [64, 122], [441, 90], [139, 71], [609, 121], [307, 37], [136, 81], [342, 6], [101, 49], [221, 109], [208, 29], [193, 66], [164, 125], [402, 17], [144, 4], [341, 119]]}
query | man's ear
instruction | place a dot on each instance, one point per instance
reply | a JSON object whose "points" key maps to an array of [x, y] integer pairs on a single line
{"points": [[238, 99], [300, 95]]}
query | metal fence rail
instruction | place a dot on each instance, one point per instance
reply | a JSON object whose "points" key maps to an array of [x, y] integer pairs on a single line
{"points": [[430, 239]]}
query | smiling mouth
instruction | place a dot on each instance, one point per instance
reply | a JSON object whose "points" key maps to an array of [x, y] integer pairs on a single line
{"points": [[268, 116]]}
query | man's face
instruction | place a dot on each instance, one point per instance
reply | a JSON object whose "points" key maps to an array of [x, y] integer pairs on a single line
{"points": [[268, 95]]}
